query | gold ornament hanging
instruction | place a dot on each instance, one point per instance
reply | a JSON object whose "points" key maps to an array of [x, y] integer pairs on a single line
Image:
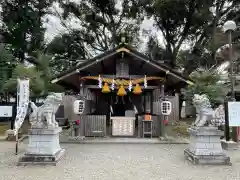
{"points": [[121, 91], [106, 88], [137, 89]]}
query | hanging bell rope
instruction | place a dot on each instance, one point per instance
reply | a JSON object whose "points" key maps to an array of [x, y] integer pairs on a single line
{"points": [[124, 82]]}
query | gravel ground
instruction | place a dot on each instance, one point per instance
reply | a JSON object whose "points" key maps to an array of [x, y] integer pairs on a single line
{"points": [[117, 162]]}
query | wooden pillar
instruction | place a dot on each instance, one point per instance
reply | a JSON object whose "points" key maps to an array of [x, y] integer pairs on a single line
{"points": [[151, 102], [177, 108], [81, 129], [162, 126], [144, 102]]}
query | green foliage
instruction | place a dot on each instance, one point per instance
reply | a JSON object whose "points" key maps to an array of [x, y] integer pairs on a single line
{"points": [[154, 49], [178, 20], [39, 75], [66, 49], [194, 22], [47, 72], [6, 65], [36, 83], [192, 60], [22, 25], [206, 82], [103, 23]]}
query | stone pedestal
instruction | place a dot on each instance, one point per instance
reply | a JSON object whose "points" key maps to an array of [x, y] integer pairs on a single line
{"points": [[205, 146], [43, 147]]}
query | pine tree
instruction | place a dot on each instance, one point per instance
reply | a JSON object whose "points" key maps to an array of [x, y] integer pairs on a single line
{"points": [[207, 82]]}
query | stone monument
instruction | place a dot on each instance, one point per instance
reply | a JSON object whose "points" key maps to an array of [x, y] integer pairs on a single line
{"points": [[43, 147], [205, 144]]}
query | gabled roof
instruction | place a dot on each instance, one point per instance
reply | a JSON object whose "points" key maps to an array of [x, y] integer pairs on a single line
{"points": [[121, 48]]}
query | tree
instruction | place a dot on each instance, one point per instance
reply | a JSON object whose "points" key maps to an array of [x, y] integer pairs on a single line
{"points": [[190, 21], [24, 31], [206, 82], [39, 75], [154, 50], [6, 65], [191, 60], [103, 23], [43, 62], [66, 49], [178, 20], [36, 83]]}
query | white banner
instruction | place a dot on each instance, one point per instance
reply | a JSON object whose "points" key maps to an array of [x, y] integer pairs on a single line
{"points": [[22, 103]]}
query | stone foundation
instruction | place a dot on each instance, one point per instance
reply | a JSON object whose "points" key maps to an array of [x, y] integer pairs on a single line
{"points": [[205, 146], [10, 135], [43, 147], [229, 145]]}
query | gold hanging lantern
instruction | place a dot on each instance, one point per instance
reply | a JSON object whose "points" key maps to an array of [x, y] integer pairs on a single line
{"points": [[106, 88], [137, 89], [121, 91]]}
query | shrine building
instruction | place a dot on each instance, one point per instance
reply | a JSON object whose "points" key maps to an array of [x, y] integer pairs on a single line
{"points": [[119, 88]]}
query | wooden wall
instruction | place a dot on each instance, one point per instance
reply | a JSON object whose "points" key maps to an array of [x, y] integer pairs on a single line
{"points": [[94, 125], [68, 107], [156, 126], [68, 101], [147, 100]]}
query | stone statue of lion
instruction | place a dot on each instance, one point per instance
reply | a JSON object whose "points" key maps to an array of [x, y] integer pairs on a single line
{"points": [[44, 116], [206, 116]]}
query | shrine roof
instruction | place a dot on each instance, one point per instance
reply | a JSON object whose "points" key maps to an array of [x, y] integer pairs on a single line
{"points": [[118, 50]]}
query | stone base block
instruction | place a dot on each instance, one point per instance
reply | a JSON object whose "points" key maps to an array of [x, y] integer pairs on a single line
{"points": [[229, 145], [205, 147], [40, 159], [207, 159], [10, 135]]}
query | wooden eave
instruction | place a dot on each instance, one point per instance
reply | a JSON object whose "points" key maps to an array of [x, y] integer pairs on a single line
{"points": [[121, 48]]}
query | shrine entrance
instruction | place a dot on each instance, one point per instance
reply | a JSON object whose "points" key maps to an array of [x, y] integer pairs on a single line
{"points": [[119, 87], [121, 104]]}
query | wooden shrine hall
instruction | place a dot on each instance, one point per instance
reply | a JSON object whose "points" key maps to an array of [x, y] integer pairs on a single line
{"points": [[119, 88]]}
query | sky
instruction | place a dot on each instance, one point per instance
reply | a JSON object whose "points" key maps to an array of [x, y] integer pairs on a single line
{"points": [[54, 28]]}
